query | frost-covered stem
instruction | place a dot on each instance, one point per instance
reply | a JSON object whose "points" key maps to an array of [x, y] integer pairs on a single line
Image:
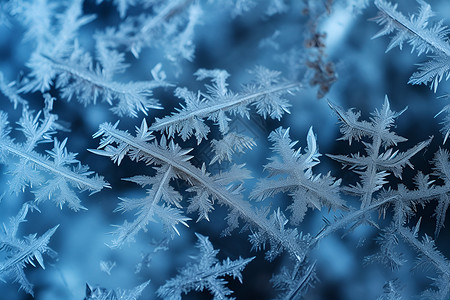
{"points": [[169, 11], [159, 191], [240, 264], [435, 258], [48, 122], [198, 278], [95, 80], [349, 218], [293, 293], [90, 183], [25, 253], [371, 173], [407, 25], [433, 193], [222, 106], [243, 208], [144, 218], [308, 185]]}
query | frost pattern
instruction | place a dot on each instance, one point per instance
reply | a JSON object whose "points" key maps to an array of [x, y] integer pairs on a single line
{"points": [[17, 253], [72, 55], [204, 274], [51, 176], [421, 37]]}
